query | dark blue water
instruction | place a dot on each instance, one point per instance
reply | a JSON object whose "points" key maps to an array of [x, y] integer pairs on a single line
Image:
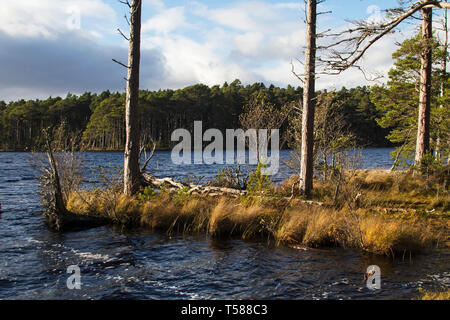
{"points": [[143, 265], [162, 165]]}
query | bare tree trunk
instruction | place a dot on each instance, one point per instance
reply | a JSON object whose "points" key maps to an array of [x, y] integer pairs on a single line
{"points": [[443, 83], [131, 166], [307, 165], [423, 130], [60, 208]]}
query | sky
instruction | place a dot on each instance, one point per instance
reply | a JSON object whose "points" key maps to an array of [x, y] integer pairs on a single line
{"points": [[52, 47]]}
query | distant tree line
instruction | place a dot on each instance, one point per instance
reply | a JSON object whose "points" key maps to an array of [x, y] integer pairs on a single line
{"points": [[99, 118]]}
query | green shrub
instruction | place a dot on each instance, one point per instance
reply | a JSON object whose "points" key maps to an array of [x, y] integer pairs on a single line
{"points": [[259, 183], [147, 194], [182, 196]]}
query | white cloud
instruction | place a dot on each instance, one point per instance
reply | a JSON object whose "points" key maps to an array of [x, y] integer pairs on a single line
{"points": [[287, 46], [289, 5], [191, 43], [189, 62], [253, 41], [166, 20], [256, 16], [70, 63], [47, 18], [261, 35], [43, 52], [376, 62], [280, 74], [157, 4], [249, 43]]}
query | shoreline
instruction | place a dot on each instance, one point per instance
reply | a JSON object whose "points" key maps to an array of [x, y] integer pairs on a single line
{"points": [[169, 149]]}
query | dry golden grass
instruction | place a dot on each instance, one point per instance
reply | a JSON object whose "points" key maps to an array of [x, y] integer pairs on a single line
{"points": [[117, 207], [285, 222], [221, 219], [322, 229], [318, 227], [84, 202], [433, 295], [310, 225], [375, 179], [382, 235], [232, 218], [398, 189], [293, 226]]}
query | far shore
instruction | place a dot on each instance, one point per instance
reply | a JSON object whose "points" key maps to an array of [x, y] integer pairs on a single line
{"points": [[164, 149]]}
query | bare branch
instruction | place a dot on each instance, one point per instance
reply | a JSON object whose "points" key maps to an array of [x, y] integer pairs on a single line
{"points": [[121, 33], [295, 74], [143, 151], [127, 3], [367, 34], [152, 153], [122, 64]]}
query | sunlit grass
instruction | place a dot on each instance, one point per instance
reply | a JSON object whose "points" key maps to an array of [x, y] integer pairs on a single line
{"points": [[371, 227], [434, 295]]}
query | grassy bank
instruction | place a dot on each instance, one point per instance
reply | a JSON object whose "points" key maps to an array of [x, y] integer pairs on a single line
{"points": [[391, 215], [434, 295]]}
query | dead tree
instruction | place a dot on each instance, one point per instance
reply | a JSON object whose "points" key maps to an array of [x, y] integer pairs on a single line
{"points": [[145, 144], [443, 81], [60, 174], [309, 100], [351, 45], [423, 127], [132, 172]]}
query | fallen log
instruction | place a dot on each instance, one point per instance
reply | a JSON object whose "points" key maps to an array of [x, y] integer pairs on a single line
{"points": [[173, 186]]}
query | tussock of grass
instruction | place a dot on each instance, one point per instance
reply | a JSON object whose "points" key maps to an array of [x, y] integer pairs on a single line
{"points": [[311, 226], [318, 227], [433, 295], [221, 220], [375, 179], [293, 226], [189, 216], [232, 218], [385, 236], [323, 229], [85, 202], [285, 222]]}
